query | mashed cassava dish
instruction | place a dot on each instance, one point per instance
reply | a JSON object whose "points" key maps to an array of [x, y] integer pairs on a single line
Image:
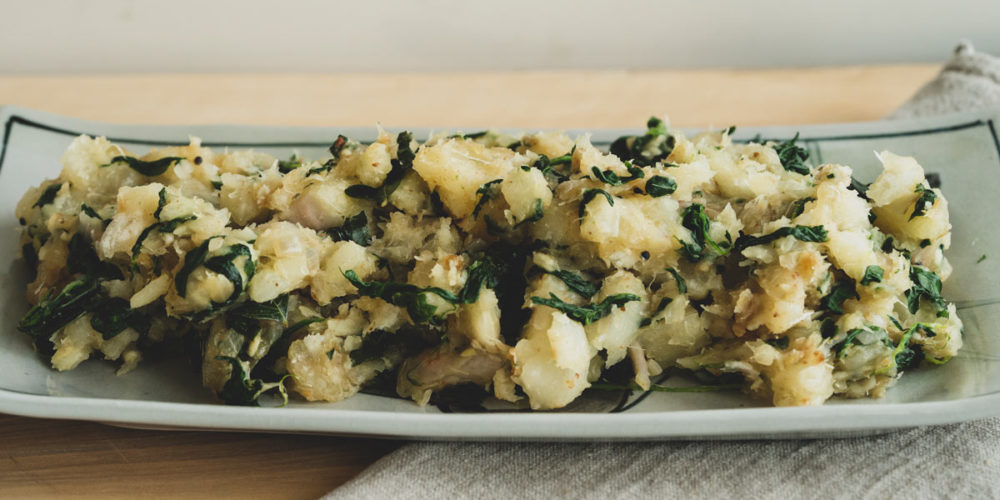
{"points": [[529, 268]]}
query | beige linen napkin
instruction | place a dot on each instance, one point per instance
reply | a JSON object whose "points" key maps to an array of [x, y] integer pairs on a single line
{"points": [[954, 461]]}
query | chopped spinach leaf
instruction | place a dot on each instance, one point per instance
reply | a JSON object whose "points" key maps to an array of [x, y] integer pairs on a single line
{"points": [[873, 274], [90, 212], [924, 201], [161, 202], [828, 328], [582, 286], [780, 343], [243, 390], [84, 260], [590, 194], [659, 185], [55, 312], [401, 165], [111, 316], [792, 157], [48, 195], [225, 265], [298, 325], [681, 285], [811, 234], [355, 228], [192, 260], [834, 301], [860, 187], [292, 163], [909, 355], [486, 193], [410, 297], [610, 178], [798, 207], [589, 313], [698, 223], [645, 150], [664, 302], [926, 285], [481, 273], [148, 168]]}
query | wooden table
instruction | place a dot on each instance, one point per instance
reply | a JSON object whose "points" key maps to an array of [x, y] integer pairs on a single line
{"points": [[45, 458]]}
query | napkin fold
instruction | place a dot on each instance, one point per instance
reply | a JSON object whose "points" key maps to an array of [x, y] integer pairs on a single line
{"points": [[952, 461]]}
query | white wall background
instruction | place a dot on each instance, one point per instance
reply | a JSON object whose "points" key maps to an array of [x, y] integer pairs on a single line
{"points": [[47, 36]]}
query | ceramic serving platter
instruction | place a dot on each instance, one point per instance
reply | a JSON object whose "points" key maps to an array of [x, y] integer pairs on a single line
{"points": [[963, 150]]}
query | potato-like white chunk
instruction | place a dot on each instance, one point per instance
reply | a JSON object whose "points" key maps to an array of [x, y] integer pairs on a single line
{"points": [[456, 169]]}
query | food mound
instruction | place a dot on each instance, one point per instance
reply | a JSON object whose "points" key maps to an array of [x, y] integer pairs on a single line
{"points": [[529, 267]]}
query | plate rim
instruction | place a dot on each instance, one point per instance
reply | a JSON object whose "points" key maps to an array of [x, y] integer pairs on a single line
{"points": [[705, 423]]}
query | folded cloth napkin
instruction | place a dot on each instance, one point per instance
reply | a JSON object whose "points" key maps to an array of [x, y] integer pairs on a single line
{"points": [[953, 461]]}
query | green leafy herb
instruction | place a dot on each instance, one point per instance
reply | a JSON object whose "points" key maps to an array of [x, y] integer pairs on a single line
{"points": [[681, 285], [53, 313], [243, 390], [840, 349], [834, 301], [163, 227], [873, 274], [981, 258], [610, 178], [161, 202], [860, 187], [48, 195], [698, 223], [292, 163], [536, 214], [926, 285], [589, 313], [84, 260], [355, 228], [924, 201], [909, 356], [410, 297], [582, 286], [780, 343], [111, 316], [664, 302], [401, 165], [828, 328], [645, 150], [225, 265], [792, 157], [90, 212], [813, 234], [547, 165], [168, 226], [486, 193], [590, 194], [246, 318], [147, 168], [481, 273], [192, 260], [298, 325], [799, 206], [659, 185]]}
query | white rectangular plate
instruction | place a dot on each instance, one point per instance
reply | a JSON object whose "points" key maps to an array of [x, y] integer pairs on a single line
{"points": [[963, 149]]}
